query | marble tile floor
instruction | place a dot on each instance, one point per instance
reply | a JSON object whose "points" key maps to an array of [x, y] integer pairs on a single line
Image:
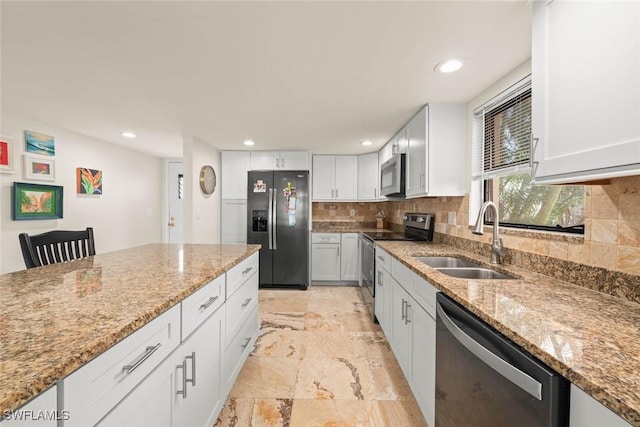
{"points": [[319, 361]]}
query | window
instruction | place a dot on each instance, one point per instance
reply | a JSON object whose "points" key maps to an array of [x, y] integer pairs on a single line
{"points": [[502, 149]]}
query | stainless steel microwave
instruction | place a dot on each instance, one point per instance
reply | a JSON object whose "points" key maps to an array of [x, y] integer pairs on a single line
{"points": [[392, 182]]}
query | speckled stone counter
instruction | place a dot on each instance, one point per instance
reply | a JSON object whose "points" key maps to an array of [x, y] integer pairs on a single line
{"points": [[591, 338], [56, 318]]}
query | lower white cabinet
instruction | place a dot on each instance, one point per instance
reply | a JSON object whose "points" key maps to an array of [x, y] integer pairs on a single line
{"points": [[405, 308], [178, 369], [585, 411], [334, 256], [349, 256], [26, 416]]}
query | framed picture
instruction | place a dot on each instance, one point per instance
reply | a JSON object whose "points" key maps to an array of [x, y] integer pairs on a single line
{"points": [[39, 168], [36, 201], [88, 181], [39, 143], [6, 155]]}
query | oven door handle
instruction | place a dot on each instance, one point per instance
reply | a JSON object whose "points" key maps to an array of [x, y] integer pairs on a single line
{"points": [[510, 372]]}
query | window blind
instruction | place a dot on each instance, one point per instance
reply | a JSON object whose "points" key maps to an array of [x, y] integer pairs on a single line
{"points": [[502, 133]]}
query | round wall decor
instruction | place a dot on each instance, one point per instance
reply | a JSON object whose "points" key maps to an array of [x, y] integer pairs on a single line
{"points": [[207, 179]]}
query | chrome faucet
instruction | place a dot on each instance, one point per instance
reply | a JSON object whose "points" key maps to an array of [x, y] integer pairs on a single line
{"points": [[497, 249]]}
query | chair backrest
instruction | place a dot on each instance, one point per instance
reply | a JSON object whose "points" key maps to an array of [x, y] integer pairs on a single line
{"points": [[56, 246]]}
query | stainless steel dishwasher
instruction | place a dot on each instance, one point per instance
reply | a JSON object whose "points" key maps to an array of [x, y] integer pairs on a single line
{"points": [[485, 380]]}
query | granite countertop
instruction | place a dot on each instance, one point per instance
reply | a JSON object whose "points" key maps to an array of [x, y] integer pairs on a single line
{"points": [[56, 318], [590, 338]]}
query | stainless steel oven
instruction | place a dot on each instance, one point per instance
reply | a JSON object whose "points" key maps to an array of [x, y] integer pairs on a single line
{"points": [[417, 226], [367, 257], [392, 176]]}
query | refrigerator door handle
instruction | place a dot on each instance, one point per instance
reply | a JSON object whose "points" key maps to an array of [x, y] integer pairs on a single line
{"points": [[274, 215], [270, 219]]}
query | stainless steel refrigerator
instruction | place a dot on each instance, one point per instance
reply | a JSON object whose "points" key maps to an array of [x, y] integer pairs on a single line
{"points": [[278, 219]]}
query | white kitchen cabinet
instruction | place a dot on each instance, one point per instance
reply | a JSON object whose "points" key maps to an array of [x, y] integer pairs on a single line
{"points": [[368, 177], [235, 168], [585, 90], [349, 253], [198, 370], [405, 308], [400, 340], [325, 261], [335, 177], [435, 159], [585, 411], [97, 387], [44, 403], [423, 359], [280, 160], [382, 302], [233, 221]]}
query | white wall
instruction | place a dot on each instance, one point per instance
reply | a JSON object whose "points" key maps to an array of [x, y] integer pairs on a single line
{"points": [[201, 212], [520, 72], [127, 214]]}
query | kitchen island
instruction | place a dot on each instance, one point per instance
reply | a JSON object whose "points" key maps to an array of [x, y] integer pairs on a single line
{"points": [[57, 318], [589, 337]]}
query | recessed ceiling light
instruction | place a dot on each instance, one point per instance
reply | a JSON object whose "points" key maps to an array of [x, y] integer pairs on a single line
{"points": [[249, 142], [366, 142], [449, 66], [128, 134]]}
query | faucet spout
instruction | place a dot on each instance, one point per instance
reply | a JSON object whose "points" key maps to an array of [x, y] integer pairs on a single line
{"points": [[497, 248]]}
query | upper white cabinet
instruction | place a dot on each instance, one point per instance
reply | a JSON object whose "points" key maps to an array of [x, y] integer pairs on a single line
{"points": [[436, 161], [235, 165], [280, 160], [368, 177], [585, 90], [396, 145], [335, 178]]}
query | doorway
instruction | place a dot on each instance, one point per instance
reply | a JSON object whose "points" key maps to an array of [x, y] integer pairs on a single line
{"points": [[176, 200]]}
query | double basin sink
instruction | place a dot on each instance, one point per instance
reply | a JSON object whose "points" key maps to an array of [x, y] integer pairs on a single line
{"points": [[461, 268]]}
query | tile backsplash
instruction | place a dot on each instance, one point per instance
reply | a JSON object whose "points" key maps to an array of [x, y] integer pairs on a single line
{"points": [[612, 228]]}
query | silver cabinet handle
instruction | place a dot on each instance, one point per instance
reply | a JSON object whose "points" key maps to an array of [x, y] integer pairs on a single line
{"points": [[183, 392], [380, 278], [333, 191], [338, 250], [246, 270], [513, 374], [246, 302], [209, 302], [281, 163], [246, 343], [406, 312], [336, 193], [277, 162], [375, 193], [191, 380], [402, 311], [147, 353], [381, 258]]}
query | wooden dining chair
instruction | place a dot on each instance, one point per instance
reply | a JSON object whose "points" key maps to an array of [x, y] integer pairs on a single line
{"points": [[56, 246]]}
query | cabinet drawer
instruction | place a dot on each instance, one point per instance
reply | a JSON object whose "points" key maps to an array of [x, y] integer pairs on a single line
{"points": [[240, 305], [197, 307], [91, 391], [240, 347], [383, 259], [240, 273], [325, 237]]}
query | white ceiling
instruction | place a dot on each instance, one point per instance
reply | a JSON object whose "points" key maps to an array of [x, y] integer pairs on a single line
{"points": [[321, 76]]}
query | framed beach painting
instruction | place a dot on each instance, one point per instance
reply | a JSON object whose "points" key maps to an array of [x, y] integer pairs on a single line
{"points": [[36, 201], [39, 143], [40, 168], [6, 155]]}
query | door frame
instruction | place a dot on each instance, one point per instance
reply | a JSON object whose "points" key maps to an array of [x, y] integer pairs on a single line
{"points": [[165, 195]]}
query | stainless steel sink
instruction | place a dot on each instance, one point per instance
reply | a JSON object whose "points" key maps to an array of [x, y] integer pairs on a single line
{"points": [[474, 273], [446, 262]]}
